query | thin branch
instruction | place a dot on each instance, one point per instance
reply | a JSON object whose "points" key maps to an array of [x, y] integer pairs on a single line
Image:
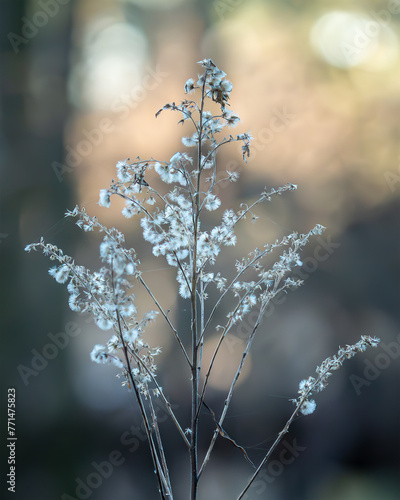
{"points": [[234, 280], [270, 451], [201, 346], [160, 447], [266, 196], [160, 477], [225, 435], [230, 393], [237, 374], [285, 429], [195, 375], [166, 319], [161, 393]]}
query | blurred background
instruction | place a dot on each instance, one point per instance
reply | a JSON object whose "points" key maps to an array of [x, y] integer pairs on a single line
{"points": [[317, 85]]}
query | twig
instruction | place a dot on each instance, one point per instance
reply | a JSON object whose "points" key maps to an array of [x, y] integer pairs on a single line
{"points": [[225, 435], [166, 319]]}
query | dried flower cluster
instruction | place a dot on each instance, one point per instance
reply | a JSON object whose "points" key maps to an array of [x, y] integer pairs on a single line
{"points": [[316, 384], [104, 294], [174, 221]]}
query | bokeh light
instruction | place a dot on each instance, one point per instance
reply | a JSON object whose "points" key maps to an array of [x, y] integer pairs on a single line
{"points": [[349, 39], [110, 62]]}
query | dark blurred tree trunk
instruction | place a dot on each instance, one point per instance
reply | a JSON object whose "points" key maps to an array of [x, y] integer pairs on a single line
{"points": [[34, 110], [34, 55]]}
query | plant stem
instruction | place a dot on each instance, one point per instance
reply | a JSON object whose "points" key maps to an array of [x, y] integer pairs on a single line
{"points": [[166, 319], [160, 476], [157, 466], [195, 347], [161, 450], [268, 455], [235, 379]]}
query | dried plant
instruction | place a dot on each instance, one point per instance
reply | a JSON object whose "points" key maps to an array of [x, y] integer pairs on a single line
{"points": [[173, 223]]}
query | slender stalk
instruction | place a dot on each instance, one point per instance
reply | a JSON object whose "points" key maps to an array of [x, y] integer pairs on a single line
{"points": [[281, 434], [159, 474], [193, 442], [234, 280], [161, 394], [195, 375], [166, 319], [226, 330], [201, 344], [230, 393], [235, 379], [270, 451], [314, 385], [161, 449]]}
